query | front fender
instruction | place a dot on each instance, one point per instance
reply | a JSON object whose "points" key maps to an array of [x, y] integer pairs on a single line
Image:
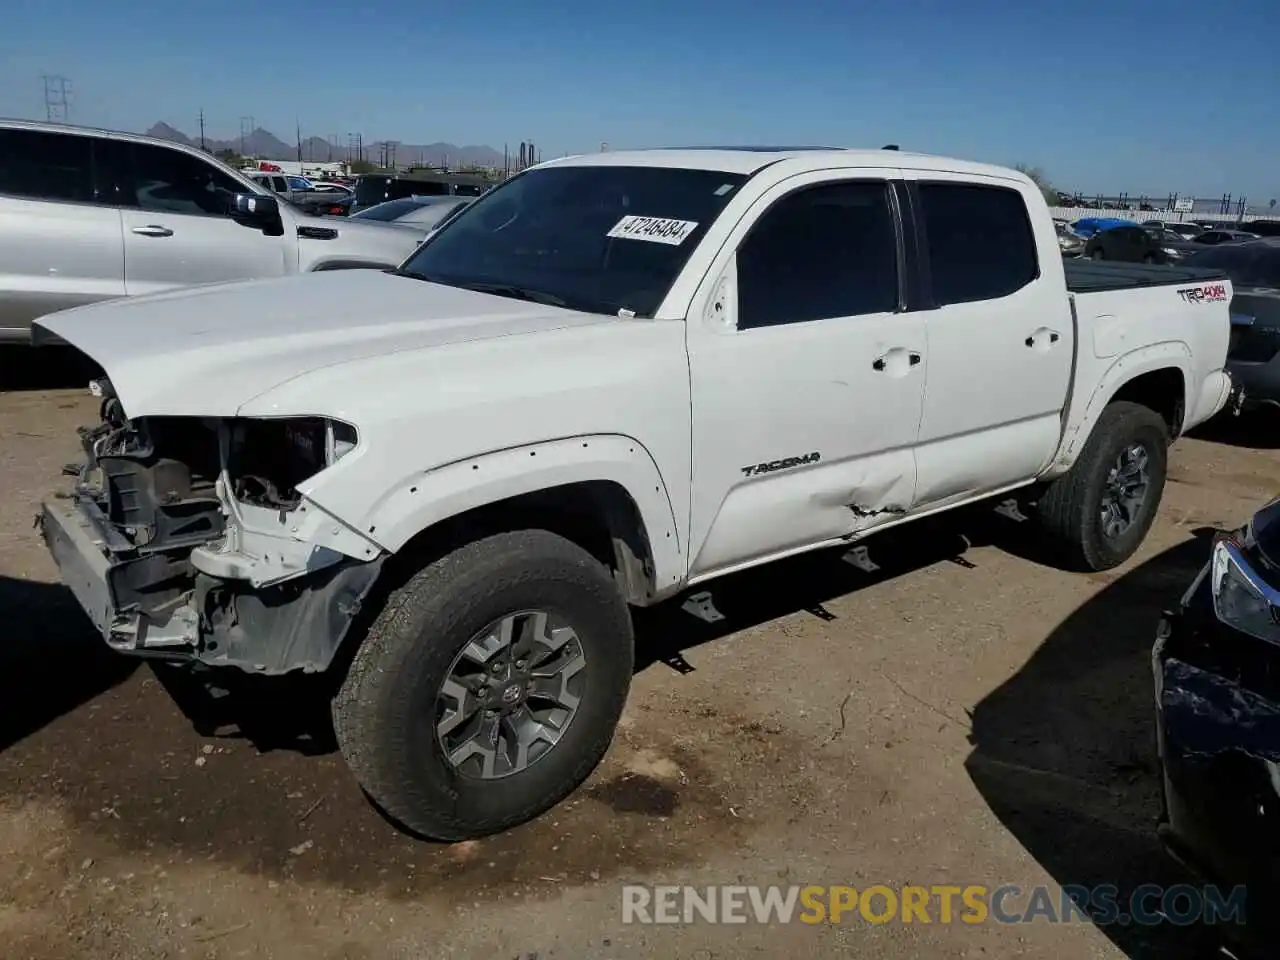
{"points": [[423, 499], [1081, 418]]}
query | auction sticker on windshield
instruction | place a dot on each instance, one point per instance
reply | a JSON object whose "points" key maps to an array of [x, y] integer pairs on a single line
{"points": [[653, 229]]}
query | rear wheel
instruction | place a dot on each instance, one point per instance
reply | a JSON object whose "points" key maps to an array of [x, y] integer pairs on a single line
{"points": [[489, 686], [1100, 511]]}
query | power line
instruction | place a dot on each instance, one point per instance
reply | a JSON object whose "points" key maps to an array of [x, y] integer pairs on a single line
{"points": [[57, 97]]}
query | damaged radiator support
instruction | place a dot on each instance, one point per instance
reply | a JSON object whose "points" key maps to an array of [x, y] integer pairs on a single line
{"points": [[170, 562]]}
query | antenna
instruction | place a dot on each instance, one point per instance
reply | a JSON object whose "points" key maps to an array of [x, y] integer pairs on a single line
{"points": [[57, 98]]}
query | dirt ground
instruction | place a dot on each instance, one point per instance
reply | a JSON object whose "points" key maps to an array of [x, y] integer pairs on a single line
{"points": [[967, 715]]}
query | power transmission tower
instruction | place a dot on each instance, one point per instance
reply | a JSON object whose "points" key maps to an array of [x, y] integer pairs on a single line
{"points": [[246, 131], [57, 98]]}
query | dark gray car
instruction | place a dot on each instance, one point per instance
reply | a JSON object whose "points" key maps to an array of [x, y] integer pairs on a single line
{"points": [[1253, 357]]}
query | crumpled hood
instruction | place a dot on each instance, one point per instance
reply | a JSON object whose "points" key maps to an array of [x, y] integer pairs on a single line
{"points": [[208, 350]]}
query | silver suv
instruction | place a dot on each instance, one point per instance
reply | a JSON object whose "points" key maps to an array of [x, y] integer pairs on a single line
{"points": [[87, 215]]}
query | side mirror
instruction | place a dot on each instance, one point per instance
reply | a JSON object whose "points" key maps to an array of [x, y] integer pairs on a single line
{"points": [[254, 207], [257, 211]]}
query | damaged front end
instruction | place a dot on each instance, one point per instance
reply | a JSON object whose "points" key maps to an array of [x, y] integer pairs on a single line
{"points": [[187, 538], [1217, 673]]}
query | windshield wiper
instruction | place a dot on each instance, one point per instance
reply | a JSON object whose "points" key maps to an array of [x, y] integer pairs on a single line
{"points": [[510, 290]]}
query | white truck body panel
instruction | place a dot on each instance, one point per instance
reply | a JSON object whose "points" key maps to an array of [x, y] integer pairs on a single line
{"points": [[463, 398]]}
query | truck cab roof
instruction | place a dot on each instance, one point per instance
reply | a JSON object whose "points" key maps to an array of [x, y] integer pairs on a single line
{"points": [[749, 160]]}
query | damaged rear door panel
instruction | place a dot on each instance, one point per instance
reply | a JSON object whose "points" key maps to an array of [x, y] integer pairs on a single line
{"points": [[807, 375]]}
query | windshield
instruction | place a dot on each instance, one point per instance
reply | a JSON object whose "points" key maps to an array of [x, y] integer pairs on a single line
{"points": [[1255, 265], [595, 238], [391, 210]]}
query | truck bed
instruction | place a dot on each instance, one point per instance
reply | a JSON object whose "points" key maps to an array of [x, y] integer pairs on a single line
{"points": [[1093, 276]]}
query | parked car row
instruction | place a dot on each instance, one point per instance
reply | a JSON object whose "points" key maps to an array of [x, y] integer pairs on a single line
{"points": [[89, 215], [319, 199]]}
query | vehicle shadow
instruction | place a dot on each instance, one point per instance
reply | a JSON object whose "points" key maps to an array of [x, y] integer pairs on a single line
{"points": [[44, 368], [1252, 429], [805, 583], [1064, 751], [291, 713], [51, 660]]}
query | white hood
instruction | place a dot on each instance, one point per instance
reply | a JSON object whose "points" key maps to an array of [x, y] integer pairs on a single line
{"points": [[208, 350]]}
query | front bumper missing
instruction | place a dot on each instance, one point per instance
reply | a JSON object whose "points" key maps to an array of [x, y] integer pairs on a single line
{"points": [[297, 625]]}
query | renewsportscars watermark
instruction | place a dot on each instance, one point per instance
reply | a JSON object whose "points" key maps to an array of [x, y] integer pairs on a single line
{"points": [[1104, 905]]}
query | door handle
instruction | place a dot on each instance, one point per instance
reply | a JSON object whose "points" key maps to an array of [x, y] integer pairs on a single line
{"points": [[153, 230], [880, 364], [1053, 337]]}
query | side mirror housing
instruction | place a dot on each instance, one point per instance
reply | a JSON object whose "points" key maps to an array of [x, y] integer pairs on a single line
{"points": [[258, 211]]}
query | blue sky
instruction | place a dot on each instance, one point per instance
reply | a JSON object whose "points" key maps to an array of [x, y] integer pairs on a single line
{"points": [[1145, 97]]}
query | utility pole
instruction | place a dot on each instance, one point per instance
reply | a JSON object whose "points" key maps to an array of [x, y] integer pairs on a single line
{"points": [[297, 130], [246, 131], [57, 94], [202, 146]]}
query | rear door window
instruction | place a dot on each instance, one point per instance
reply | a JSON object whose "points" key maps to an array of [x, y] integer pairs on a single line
{"points": [[40, 165], [979, 239]]}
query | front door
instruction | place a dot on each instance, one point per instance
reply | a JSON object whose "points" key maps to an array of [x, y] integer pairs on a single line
{"points": [[176, 228], [807, 376], [1001, 339]]}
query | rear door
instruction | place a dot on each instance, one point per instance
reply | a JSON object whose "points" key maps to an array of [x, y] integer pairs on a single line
{"points": [[1000, 335], [176, 228], [60, 241]]}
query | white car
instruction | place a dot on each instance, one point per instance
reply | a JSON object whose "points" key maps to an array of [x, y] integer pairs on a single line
{"points": [[88, 215], [611, 379], [427, 213]]}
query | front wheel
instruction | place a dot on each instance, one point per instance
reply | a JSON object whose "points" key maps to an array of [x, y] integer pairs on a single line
{"points": [[1100, 511], [489, 687]]}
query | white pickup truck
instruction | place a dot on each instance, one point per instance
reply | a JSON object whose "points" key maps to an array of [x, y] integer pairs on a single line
{"points": [[610, 379]]}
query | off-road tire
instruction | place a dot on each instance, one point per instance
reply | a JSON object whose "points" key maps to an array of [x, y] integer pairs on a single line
{"points": [[383, 712], [1070, 508]]}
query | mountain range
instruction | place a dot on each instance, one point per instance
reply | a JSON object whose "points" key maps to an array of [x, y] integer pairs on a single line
{"points": [[265, 145]]}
